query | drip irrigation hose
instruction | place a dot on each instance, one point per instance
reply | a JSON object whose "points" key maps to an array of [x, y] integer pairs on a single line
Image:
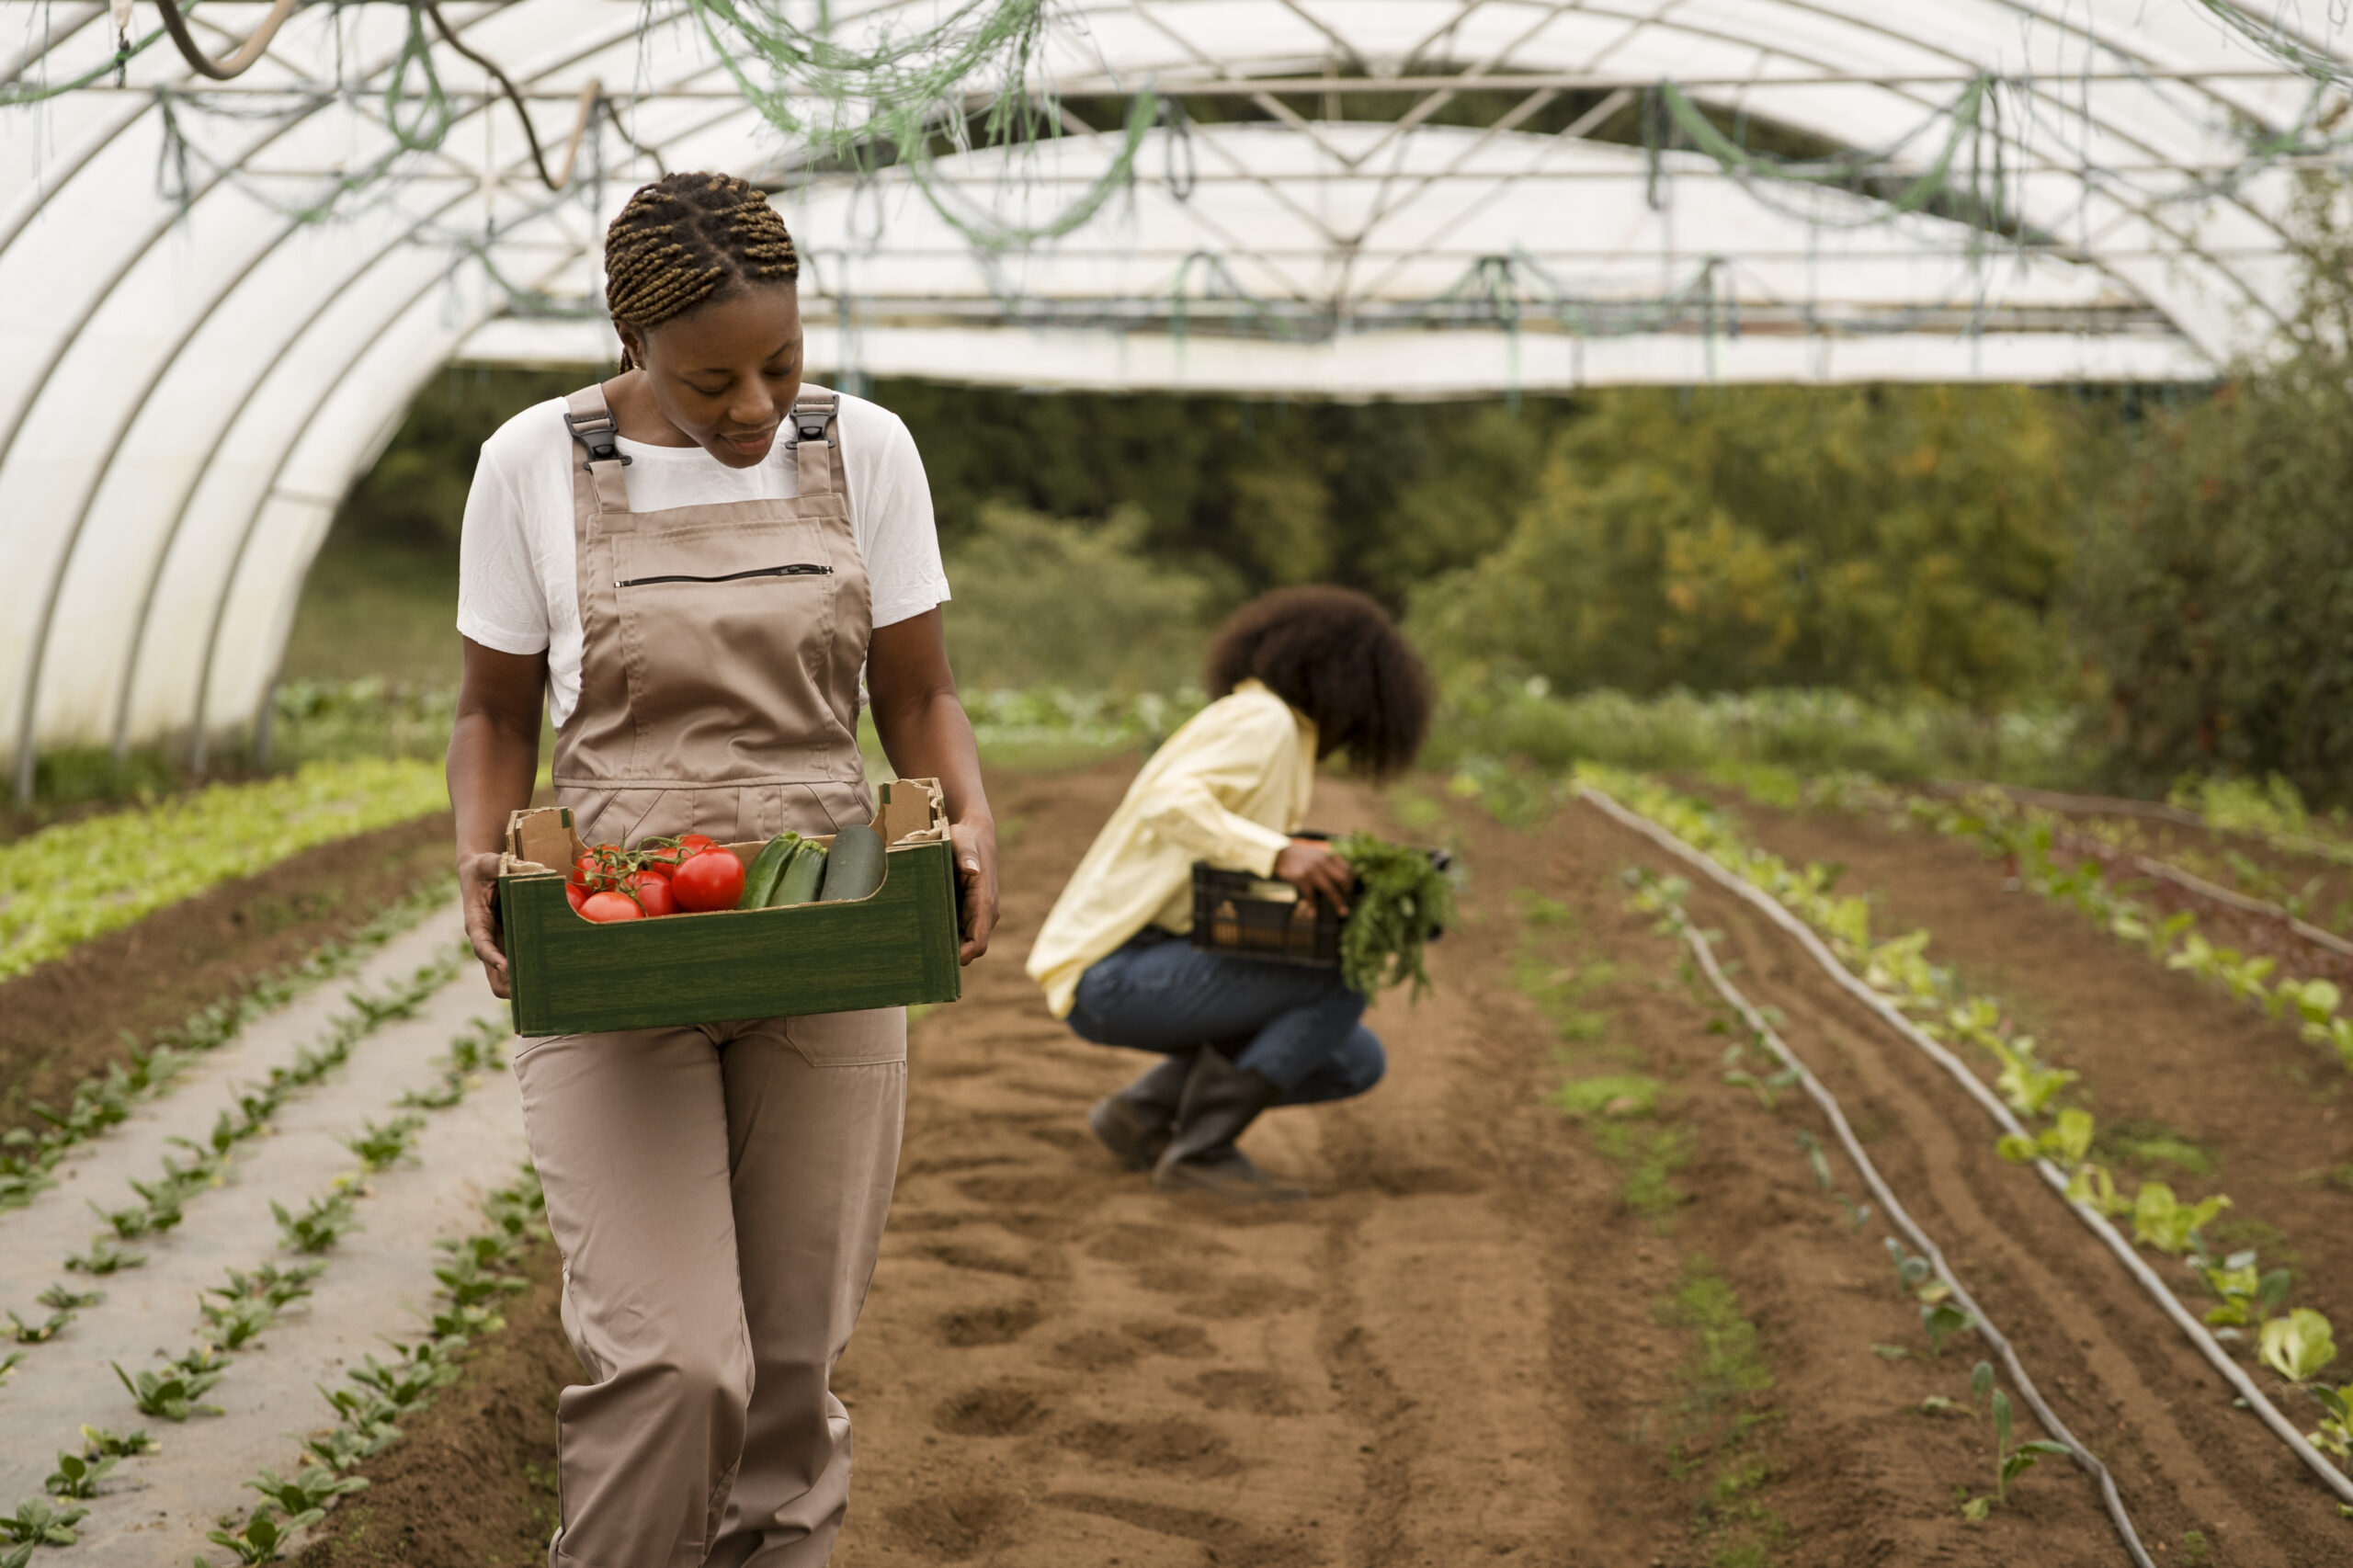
{"points": [[2083, 1457], [2149, 866], [237, 60], [589, 95], [1771, 908]]}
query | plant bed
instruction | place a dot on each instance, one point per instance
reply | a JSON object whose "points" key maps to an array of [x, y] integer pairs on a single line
{"points": [[471, 1483], [67, 1018]]}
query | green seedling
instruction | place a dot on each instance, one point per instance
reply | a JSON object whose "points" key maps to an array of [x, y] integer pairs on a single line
{"points": [[1767, 1089], [1891, 1352], [237, 1324], [24, 1333], [60, 1298], [2064, 1142], [409, 1380], [2025, 1083], [1909, 1270], [269, 1283], [198, 1360], [470, 1283], [2163, 1221], [97, 1443], [129, 1224], [326, 1222], [37, 1522], [260, 1538], [1942, 1320], [348, 1446], [451, 1090], [78, 1476], [171, 1395], [2013, 1463], [1858, 1214], [2299, 1345], [2091, 1185], [2248, 1296], [1817, 1162], [310, 1488], [104, 1257], [9, 1361], [2335, 1434], [378, 1147]]}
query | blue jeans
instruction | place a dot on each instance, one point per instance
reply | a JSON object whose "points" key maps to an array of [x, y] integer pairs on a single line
{"points": [[1296, 1026]]}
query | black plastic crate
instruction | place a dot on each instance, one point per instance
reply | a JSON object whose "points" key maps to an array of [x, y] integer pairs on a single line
{"points": [[1260, 917]]}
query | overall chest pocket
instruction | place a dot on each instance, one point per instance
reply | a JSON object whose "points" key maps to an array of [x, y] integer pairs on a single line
{"points": [[692, 558], [729, 628]]}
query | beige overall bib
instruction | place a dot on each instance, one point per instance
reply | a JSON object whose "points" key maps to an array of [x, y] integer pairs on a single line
{"points": [[718, 1191]]}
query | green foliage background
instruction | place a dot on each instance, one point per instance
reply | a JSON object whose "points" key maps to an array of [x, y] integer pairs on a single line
{"points": [[2159, 574]]}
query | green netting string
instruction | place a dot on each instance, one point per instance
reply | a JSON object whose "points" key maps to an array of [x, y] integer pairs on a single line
{"points": [[1965, 117], [907, 90], [430, 117]]}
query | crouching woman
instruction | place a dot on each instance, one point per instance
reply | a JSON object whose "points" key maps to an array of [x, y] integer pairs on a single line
{"points": [[1299, 674]]}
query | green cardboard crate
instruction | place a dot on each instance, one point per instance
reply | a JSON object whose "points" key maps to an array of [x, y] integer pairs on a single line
{"points": [[573, 976]]}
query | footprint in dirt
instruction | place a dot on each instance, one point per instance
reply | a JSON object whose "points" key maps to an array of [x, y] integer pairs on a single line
{"points": [[1170, 1446], [993, 1409], [1233, 1388], [981, 1260], [1000, 1324], [1183, 1339], [953, 1527]]}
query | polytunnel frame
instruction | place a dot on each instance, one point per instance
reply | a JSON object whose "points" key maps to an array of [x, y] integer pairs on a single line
{"points": [[2119, 204], [26, 755]]}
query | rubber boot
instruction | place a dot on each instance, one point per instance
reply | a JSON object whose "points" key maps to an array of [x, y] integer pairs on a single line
{"points": [[1220, 1101], [1134, 1124]]}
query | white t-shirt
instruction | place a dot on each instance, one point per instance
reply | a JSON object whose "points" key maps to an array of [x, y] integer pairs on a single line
{"points": [[518, 558]]}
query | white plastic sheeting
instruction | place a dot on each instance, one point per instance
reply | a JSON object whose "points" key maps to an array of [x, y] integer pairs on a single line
{"points": [[201, 362]]}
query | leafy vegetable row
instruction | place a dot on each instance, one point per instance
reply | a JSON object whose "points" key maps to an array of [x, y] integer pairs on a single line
{"points": [[2174, 941], [2299, 1345], [101, 1101], [162, 1201], [472, 1280], [68, 883]]}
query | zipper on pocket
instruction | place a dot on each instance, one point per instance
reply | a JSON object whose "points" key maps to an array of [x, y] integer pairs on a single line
{"points": [[803, 570]]}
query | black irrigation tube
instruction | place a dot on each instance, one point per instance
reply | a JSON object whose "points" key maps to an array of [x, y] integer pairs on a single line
{"points": [[1919, 1238], [2200, 1337]]}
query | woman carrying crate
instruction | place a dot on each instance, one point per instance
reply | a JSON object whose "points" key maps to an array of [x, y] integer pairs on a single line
{"points": [[1299, 674], [698, 565]]}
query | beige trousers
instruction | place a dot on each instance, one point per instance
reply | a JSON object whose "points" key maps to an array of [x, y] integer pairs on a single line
{"points": [[718, 1192]]}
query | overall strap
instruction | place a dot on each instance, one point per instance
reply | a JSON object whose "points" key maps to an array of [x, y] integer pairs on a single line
{"points": [[813, 435], [590, 420]]}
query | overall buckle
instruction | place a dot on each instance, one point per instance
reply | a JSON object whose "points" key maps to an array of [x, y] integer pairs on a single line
{"points": [[599, 434], [810, 422]]}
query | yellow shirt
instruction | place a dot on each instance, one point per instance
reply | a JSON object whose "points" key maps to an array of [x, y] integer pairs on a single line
{"points": [[1229, 788]]}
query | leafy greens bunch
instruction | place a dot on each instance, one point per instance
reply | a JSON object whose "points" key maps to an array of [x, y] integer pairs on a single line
{"points": [[1401, 899]]}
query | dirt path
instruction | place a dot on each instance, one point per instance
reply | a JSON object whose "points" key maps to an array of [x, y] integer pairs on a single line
{"points": [[1638, 1336]]}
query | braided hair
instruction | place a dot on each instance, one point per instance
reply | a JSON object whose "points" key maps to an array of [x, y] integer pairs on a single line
{"points": [[687, 239]]}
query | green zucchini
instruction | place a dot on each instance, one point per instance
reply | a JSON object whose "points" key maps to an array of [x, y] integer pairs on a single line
{"points": [[799, 883], [855, 868], [761, 880]]}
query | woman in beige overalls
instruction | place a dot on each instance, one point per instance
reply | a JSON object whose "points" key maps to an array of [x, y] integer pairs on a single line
{"points": [[718, 1191]]}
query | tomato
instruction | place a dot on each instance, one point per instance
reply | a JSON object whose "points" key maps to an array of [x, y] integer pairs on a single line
{"points": [[593, 870], [652, 892], [610, 906], [577, 894], [691, 844], [712, 878]]}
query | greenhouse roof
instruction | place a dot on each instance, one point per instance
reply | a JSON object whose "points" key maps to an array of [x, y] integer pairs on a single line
{"points": [[228, 289]]}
